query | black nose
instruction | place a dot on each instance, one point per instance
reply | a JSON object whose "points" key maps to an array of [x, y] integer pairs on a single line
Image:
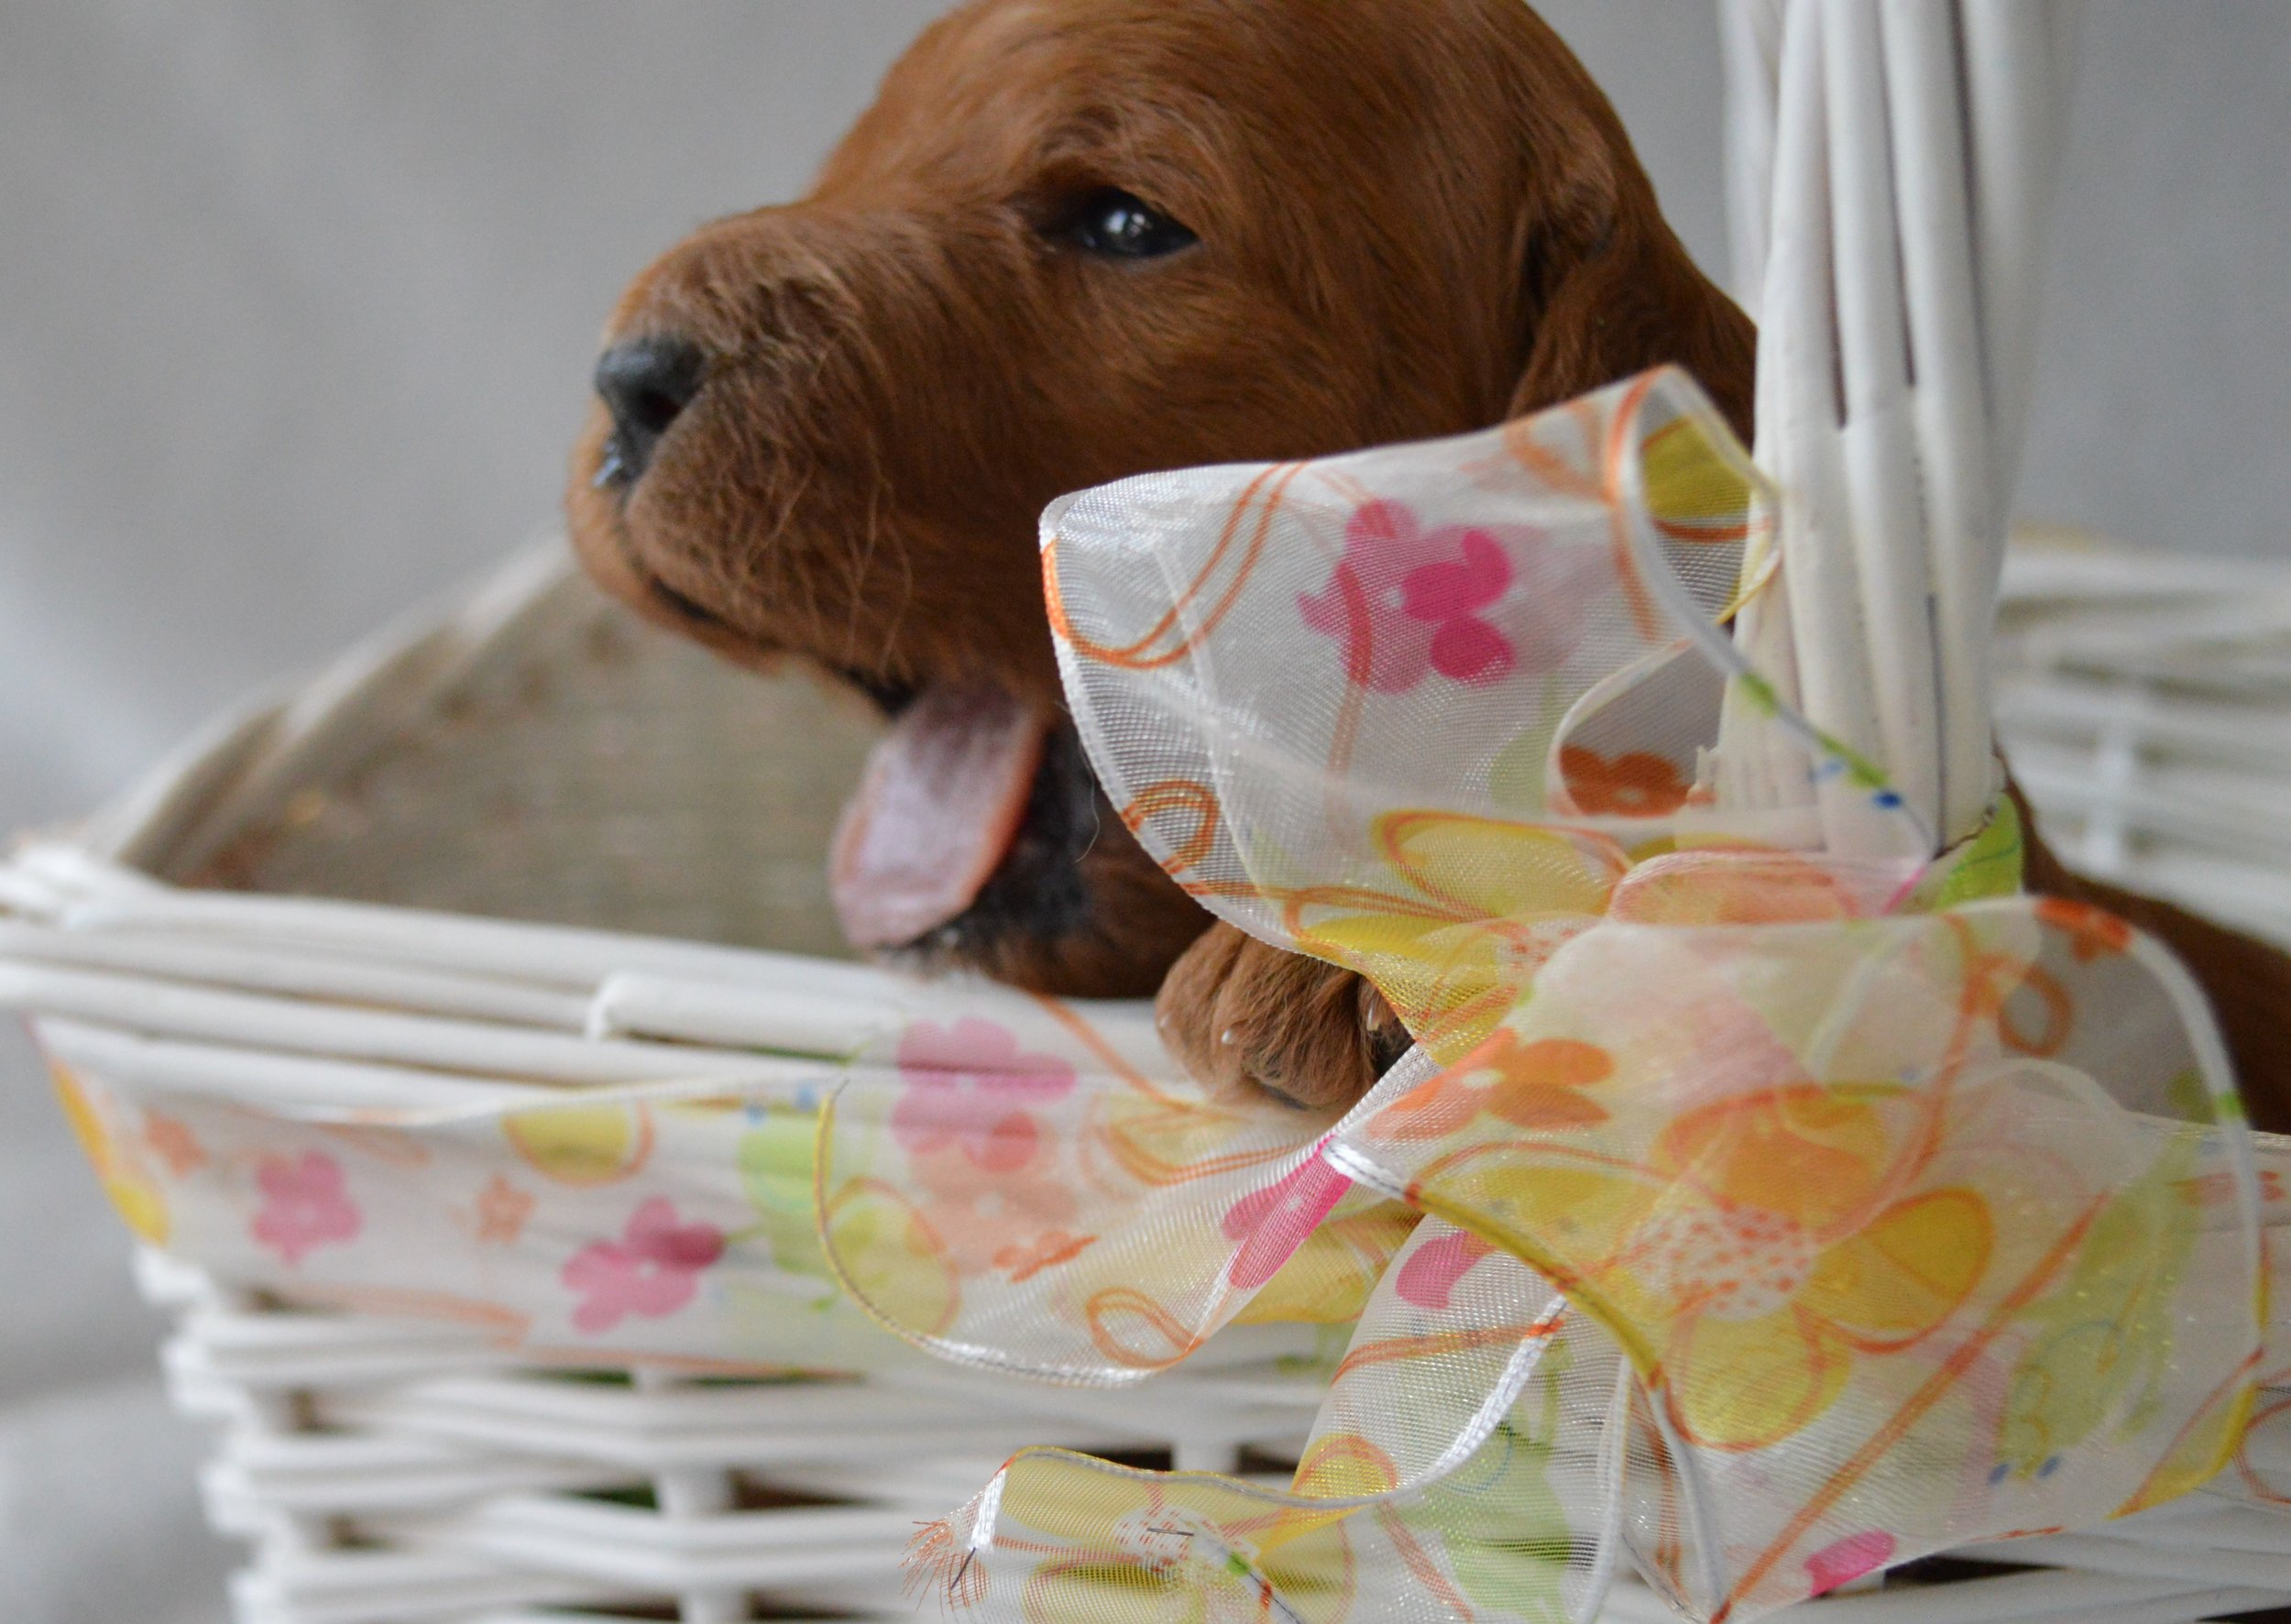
{"points": [[645, 383]]}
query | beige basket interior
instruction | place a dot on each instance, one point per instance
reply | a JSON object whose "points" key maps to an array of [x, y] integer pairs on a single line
{"points": [[587, 770]]}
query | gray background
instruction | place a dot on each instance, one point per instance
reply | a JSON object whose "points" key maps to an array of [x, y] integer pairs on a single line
{"points": [[296, 311]]}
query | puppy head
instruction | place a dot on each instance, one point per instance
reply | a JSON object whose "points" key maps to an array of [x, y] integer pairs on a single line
{"points": [[1075, 240]]}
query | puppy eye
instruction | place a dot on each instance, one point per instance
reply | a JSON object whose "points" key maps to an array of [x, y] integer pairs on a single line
{"points": [[1121, 226]]}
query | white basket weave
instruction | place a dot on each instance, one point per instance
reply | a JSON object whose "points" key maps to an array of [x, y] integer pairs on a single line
{"points": [[537, 756], [2145, 702]]}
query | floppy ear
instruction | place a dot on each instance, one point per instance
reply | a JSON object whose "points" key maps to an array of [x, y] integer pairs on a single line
{"points": [[1606, 288]]}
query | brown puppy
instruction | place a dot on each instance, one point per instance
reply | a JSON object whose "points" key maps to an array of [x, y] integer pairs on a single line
{"points": [[1079, 239]]}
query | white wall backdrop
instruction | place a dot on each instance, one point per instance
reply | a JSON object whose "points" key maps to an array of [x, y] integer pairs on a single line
{"points": [[296, 311]]}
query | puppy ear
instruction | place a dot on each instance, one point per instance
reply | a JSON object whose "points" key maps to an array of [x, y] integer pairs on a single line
{"points": [[1606, 288]]}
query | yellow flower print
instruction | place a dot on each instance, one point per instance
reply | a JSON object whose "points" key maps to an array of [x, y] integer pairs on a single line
{"points": [[1757, 1250], [1530, 1085], [582, 1146], [1079, 1538], [134, 1193], [1475, 909], [889, 1257], [1739, 887]]}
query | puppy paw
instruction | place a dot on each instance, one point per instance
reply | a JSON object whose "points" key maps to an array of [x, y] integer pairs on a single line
{"points": [[1244, 1018]]}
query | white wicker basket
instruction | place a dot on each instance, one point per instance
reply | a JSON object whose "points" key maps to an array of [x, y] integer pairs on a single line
{"points": [[482, 815], [2147, 707]]}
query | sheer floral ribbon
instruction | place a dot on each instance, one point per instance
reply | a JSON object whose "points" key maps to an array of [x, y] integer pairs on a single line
{"points": [[1789, 1215]]}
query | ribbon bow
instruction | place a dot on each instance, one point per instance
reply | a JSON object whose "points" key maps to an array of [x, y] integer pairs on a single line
{"points": [[1788, 1215]]}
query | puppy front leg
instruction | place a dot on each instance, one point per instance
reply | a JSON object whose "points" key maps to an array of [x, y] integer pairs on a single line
{"points": [[1246, 1017]]}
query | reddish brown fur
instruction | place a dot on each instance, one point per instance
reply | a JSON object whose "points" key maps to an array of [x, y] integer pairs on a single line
{"points": [[1416, 217], [2247, 981]]}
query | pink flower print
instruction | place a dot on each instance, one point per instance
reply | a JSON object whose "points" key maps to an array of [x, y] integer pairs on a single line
{"points": [[653, 1269], [1272, 1223], [1446, 597], [1848, 1559], [304, 1205], [1404, 601], [1365, 603], [969, 1084], [1429, 1277]]}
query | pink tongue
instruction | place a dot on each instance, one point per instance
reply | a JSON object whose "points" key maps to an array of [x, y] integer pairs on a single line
{"points": [[935, 813]]}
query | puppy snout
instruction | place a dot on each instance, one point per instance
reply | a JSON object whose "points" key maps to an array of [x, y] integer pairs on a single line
{"points": [[645, 384]]}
